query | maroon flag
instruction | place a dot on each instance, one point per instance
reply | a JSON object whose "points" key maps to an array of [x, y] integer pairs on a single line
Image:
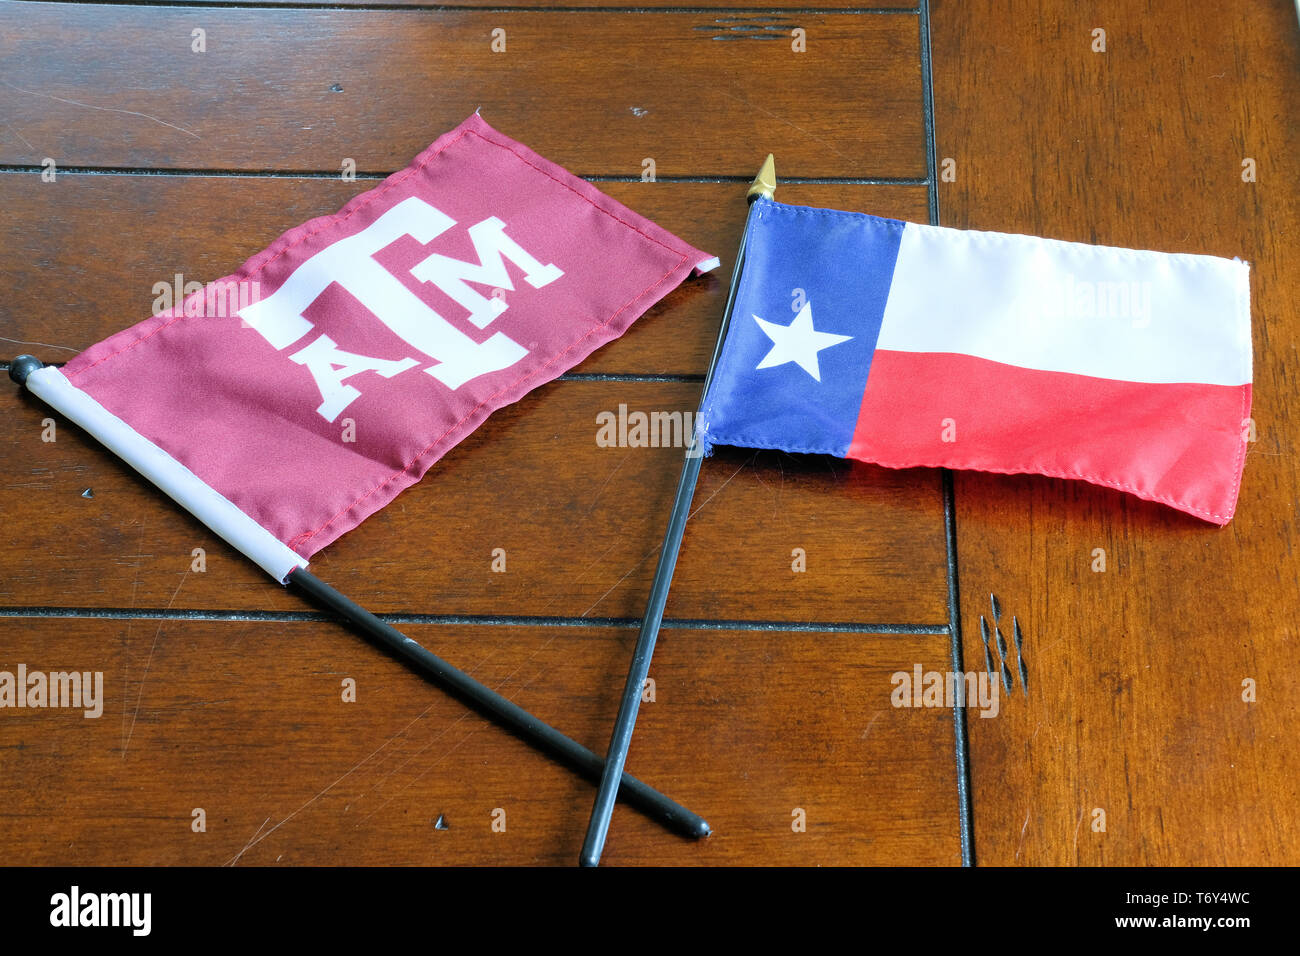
{"points": [[289, 401]]}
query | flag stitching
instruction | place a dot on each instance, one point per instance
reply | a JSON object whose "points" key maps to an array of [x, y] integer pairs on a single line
{"points": [[1193, 259], [743, 442], [587, 199], [336, 219], [370, 197]]}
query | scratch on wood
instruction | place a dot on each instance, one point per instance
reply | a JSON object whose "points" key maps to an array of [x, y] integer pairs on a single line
{"points": [[44, 345], [765, 111], [605, 484], [105, 109], [250, 842], [1023, 828], [427, 770], [256, 839], [657, 548], [145, 675], [126, 638], [20, 136], [384, 779]]}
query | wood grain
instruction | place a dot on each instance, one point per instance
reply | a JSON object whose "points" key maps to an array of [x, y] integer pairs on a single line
{"points": [[246, 721], [596, 92], [580, 526], [1135, 704], [223, 691], [84, 253]]}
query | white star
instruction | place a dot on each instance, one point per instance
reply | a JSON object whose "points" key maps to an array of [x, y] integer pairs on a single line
{"points": [[797, 342]]}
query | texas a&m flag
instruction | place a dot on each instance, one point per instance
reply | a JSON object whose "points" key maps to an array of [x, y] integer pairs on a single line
{"points": [[909, 345], [285, 403]]}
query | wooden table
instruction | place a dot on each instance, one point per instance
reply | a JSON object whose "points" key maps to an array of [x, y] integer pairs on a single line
{"points": [[225, 736]]}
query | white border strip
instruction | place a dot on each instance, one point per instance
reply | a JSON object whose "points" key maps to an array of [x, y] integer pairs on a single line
{"points": [[182, 485]]}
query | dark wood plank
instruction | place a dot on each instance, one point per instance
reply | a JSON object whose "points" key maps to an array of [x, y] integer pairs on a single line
{"points": [[83, 253], [246, 721], [244, 717], [580, 525], [596, 92], [1136, 672]]}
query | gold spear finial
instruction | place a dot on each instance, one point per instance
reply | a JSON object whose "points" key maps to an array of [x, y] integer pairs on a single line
{"points": [[764, 183]]}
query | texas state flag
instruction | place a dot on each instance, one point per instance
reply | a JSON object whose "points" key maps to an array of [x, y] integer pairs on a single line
{"points": [[908, 345]]}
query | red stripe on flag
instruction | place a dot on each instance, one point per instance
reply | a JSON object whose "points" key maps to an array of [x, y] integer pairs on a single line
{"points": [[1179, 444]]}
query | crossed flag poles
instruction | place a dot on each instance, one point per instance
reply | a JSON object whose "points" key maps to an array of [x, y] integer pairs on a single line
{"points": [[155, 464], [940, 319]]}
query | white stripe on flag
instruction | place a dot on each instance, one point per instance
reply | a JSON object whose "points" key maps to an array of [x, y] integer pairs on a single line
{"points": [[1069, 307], [182, 485]]}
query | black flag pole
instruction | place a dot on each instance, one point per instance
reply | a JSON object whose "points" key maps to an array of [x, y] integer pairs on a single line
{"points": [[487, 701], [764, 184]]}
